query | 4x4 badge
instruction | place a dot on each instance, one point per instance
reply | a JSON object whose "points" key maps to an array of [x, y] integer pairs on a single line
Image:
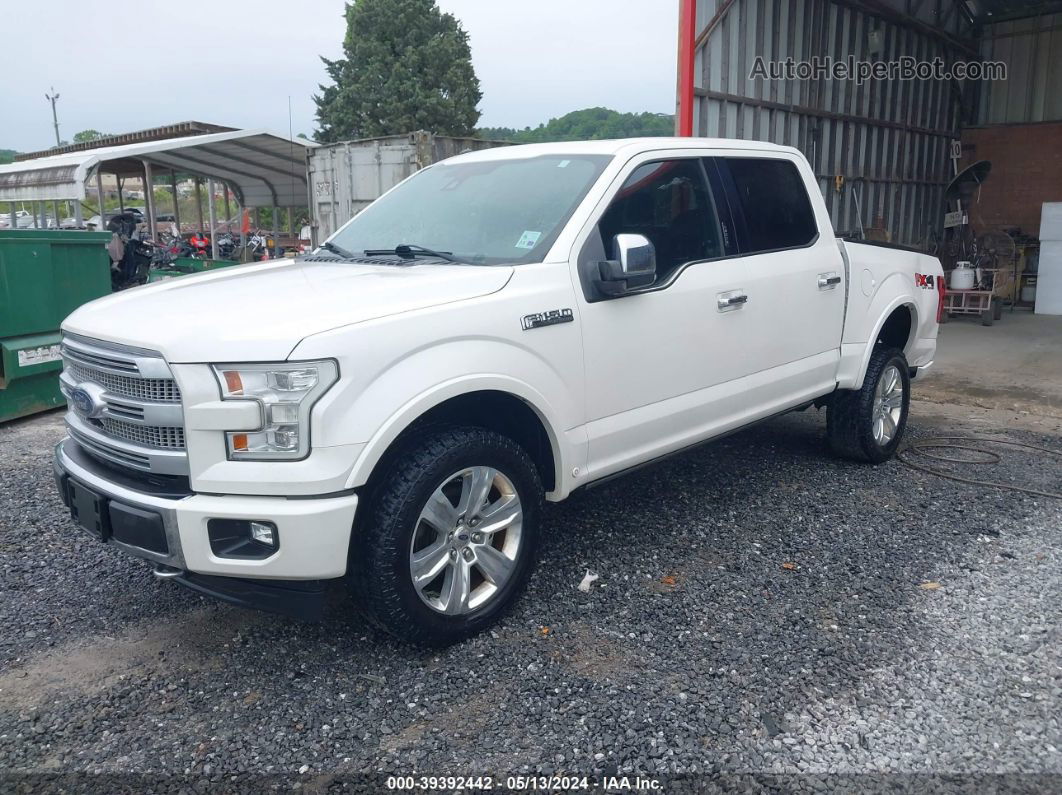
{"points": [[549, 318]]}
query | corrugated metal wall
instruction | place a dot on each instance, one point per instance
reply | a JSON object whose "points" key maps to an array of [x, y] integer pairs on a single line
{"points": [[889, 140], [1032, 50]]}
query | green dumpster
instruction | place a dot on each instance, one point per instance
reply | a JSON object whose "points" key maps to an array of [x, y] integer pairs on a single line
{"points": [[193, 265], [44, 276], [162, 274], [182, 266]]}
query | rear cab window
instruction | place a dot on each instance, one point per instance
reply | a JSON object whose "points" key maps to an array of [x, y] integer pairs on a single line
{"points": [[773, 209]]}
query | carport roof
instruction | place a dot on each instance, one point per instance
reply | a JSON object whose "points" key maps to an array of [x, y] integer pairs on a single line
{"points": [[261, 167]]}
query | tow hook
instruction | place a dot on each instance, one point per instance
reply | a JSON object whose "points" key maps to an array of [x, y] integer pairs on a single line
{"points": [[164, 572]]}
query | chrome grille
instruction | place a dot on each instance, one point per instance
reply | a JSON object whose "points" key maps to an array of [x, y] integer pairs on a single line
{"points": [[109, 452], [133, 415], [95, 359], [149, 435], [162, 390]]}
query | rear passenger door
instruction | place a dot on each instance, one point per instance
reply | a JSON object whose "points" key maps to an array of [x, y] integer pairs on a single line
{"points": [[794, 276]]}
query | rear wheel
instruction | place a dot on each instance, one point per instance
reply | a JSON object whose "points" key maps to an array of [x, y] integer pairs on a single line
{"points": [[867, 424], [450, 536]]}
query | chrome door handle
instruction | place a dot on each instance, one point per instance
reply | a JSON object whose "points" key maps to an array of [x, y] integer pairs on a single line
{"points": [[828, 280], [732, 301]]}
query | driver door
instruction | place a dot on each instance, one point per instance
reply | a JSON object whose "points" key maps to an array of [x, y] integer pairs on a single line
{"points": [[658, 360]]}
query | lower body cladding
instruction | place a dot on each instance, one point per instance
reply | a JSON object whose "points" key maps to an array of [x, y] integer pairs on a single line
{"points": [[194, 539]]}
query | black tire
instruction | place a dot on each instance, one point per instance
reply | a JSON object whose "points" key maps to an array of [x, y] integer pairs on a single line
{"points": [[379, 568], [850, 415]]}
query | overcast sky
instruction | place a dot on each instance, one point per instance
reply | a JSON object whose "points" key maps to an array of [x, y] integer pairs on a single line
{"points": [[121, 67]]}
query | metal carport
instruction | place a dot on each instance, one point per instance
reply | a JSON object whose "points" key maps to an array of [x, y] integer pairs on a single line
{"points": [[262, 169]]}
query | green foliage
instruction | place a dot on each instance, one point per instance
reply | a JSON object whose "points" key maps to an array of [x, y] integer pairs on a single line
{"points": [[7, 155], [88, 135], [406, 66], [262, 218], [163, 198], [585, 125]]}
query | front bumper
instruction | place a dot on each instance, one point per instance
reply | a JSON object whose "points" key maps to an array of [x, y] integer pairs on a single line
{"points": [[168, 527]]}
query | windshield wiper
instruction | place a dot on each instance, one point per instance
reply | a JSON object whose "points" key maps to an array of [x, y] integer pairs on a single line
{"points": [[328, 244], [411, 250]]}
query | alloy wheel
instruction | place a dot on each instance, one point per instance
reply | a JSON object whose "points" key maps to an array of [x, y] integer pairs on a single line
{"points": [[888, 406], [467, 540]]}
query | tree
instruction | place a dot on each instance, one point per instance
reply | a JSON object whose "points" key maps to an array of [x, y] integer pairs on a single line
{"points": [[88, 135], [7, 155], [587, 124], [406, 66]]}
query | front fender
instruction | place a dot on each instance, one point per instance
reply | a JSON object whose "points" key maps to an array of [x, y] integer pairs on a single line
{"points": [[415, 406], [395, 369], [389, 390]]}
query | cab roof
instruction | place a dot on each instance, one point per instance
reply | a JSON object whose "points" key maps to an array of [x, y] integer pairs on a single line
{"points": [[627, 146]]}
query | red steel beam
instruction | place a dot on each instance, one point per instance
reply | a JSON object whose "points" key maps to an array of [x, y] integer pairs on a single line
{"points": [[687, 35]]}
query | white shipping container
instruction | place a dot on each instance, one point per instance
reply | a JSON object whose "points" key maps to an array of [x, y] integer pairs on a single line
{"points": [[346, 177]]}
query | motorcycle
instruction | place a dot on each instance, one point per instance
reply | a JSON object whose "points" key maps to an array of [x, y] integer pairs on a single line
{"points": [[227, 245], [131, 257], [200, 242], [167, 254], [262, 246]]}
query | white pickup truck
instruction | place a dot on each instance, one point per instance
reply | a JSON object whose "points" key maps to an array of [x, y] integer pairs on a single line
{"points": [[502, 327]]}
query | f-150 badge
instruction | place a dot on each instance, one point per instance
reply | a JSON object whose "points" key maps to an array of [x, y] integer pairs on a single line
{"points": [[549, 318]]}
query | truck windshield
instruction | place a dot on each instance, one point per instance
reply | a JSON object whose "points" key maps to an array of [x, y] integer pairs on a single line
{"points": [[484, 213]]}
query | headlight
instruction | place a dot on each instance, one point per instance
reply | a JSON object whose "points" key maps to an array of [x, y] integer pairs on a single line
{"points": [[286, 392]]}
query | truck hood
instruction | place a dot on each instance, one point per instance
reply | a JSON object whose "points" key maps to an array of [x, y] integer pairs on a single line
{"points": [[261, 311]]}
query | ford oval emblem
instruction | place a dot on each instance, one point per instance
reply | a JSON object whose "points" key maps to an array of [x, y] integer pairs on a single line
{"points": [[83, 401]]}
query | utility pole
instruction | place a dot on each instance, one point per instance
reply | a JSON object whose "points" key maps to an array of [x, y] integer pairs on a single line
{"points": [[53, 97]]}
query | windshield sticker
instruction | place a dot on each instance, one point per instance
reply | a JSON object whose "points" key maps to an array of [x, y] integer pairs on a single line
{"points": [[528, 239], [563, 164]]}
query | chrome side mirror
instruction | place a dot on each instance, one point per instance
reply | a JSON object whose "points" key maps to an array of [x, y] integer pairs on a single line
{"points": [[634, 265]]}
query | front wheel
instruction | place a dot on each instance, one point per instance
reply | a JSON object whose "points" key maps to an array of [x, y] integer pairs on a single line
{"points": [[867, 424], [450, 536]]}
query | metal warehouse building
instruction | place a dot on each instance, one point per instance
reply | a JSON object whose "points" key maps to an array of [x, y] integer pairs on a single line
{"points": [[884, 150]]}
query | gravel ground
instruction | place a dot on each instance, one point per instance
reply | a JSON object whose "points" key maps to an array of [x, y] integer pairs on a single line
{"points": [[761, 609]]}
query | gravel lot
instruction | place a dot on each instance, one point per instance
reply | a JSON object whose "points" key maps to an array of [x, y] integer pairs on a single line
{"points": [[761, 608]]}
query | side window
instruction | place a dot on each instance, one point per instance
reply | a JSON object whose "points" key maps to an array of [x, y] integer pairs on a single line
{"points": [[669, 202], [777, 211]]}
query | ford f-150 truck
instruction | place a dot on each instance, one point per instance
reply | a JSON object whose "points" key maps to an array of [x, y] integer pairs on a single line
{"points": [[502, 327]]}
